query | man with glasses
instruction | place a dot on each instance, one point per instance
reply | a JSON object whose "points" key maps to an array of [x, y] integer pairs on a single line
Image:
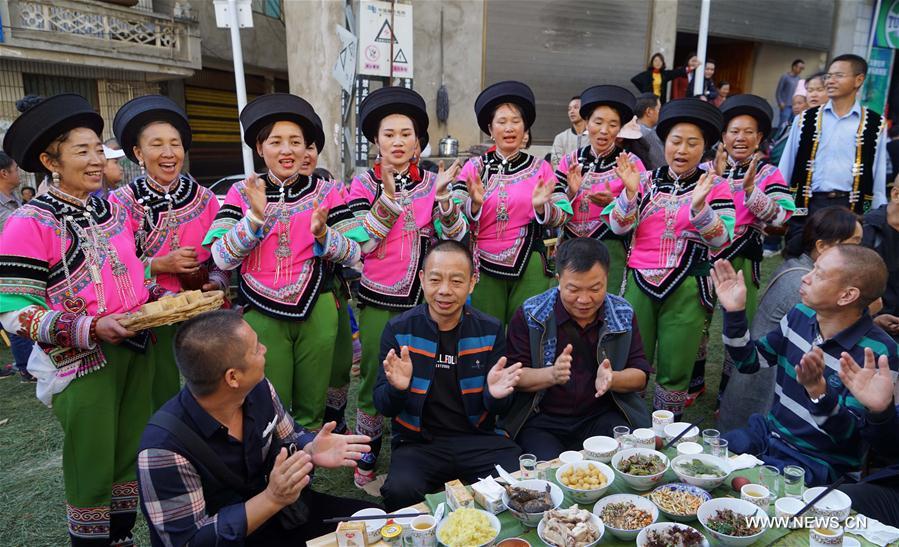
{"points": [[836, 152]]}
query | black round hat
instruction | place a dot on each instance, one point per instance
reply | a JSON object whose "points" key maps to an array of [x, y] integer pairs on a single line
{"points": [[508, 91], [33, 131], [750, 105], [276, 107], [383, 102], [622, 100], [141, 111], [702, 114]]}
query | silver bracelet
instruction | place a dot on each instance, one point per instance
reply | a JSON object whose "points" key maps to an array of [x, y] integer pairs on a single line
{"points": [[254, 219]]}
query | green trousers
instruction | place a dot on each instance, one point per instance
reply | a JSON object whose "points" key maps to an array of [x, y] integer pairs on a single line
{"points": [[102, 415], [671, 329], [743, 264], [338, 387], [501, 297], [618, 258], [299, 358], [166, 379]]}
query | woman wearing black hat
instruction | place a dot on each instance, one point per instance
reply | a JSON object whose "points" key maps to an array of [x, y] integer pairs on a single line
{"points": [[169, 213], [509, 196], [677, 216], [68, 271], [589, 173], [403, 209], [285, 230]]}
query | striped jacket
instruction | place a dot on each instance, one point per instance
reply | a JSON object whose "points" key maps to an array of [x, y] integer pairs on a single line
{"points": [[481, 343], [828, 431]]}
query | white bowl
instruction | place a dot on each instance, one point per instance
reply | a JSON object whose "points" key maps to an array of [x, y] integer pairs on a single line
{"points": [[532, 519], [662, 526], [673, 430], [493, 522], [786, 508], [641, 502], [834, 504], [585, 496], [639, 482], [596, 521], [372, 527], [600, 448], [709, 483], [709, 508], [571, 456], [688, 448], [695, 490]]}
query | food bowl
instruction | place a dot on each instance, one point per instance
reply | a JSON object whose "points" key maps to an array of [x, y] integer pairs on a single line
{"points": [[673, 430], [640, 483], [579, 495], [786, 508], [493, 522], [745, 508], [704, 482], [532, 519], [834, 504], [571, 456], [596, 522], [372, 527], [600, 449], [662, 527], [639, 502], [679, 487]]}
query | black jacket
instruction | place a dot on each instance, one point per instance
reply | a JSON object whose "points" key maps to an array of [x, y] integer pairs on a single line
{"points": [[881, 237], [643, 81]]}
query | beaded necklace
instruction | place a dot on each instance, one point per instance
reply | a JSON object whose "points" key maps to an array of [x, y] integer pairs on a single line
{"points": [[502, 209], [857, 166], [282, 219], [670, 205], [169, 224], [596, 165]]}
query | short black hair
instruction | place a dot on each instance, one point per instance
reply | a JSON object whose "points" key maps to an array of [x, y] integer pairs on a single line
{"points": [[831, 225], [796, 62], [5, 161], [711, 61], [859, 65], [30, 189], [450, 246], [644, 102], [865, 270], [322, 173], [580, 254], [815, 76], [205, 347], [575, 98], [723, 83]]}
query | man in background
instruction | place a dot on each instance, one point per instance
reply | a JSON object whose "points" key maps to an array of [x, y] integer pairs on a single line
{"points": [[572, 138], [647, 111], [786, 88]]}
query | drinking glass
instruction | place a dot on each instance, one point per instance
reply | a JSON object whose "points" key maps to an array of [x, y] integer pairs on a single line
{"points": [[794, 481], [769, 477], [528, 463], [620, 431], [708, 435], [718, 447], [544, 471]]}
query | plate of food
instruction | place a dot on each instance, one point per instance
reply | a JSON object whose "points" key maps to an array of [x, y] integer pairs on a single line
{"points": [[730, 521], [172, 309], [703, 470], [641, 468], [468, 527], [624, 515], [668, 534], [572, 527], [527, 500], [678, 501], [585, 481]]}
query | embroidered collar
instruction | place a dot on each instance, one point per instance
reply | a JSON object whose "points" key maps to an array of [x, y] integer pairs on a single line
{"points": [[495, 162], [150, 193], [600, 164], [293, 188], [157, 187]]}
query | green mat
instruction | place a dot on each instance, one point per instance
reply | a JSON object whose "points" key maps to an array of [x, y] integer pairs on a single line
{"points": [[511, 527]]}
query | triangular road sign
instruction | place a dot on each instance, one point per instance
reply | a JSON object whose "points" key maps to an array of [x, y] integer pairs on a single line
{"points": [[385, 34], [400, 58]]}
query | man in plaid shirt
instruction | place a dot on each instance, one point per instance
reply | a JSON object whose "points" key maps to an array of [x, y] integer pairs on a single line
{"points": [[232, 407]]}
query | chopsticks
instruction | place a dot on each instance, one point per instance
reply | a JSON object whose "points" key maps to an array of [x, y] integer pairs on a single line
{"points": [[374, 517], [818, 498], [684, 432]]}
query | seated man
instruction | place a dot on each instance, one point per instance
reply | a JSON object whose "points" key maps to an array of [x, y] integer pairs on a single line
{"points": [[878, 496], [582, 357], [814, 421], [216, 464], [443, 382]]}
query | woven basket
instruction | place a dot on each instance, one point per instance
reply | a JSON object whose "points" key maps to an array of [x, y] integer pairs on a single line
{"points": [[173, 309]]}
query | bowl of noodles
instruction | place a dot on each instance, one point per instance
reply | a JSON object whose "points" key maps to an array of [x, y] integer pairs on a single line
{"points": [[679, 501], [468, 527]]}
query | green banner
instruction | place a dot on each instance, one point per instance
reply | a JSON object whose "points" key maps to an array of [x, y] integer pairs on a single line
{"points": [[877, 83], [886, 34]]}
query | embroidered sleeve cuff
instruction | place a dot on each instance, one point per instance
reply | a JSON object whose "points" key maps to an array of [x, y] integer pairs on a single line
{"points": [[229, 251], [622, 213], [761, 206], [338, 249], [474, 217], [381, 217], [61, 329], [452, 224]]}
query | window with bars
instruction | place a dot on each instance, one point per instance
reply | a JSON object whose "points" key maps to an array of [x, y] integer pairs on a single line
{"points": [[47, 86]]}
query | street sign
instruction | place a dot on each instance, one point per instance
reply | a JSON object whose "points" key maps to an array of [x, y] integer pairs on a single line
{"points": [[886, 30], [345, 67], [877, 83], [223, 15], [385, 29]]}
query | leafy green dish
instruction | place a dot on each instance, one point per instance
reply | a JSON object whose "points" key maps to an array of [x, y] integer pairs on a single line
{"points": [[699, 469]]}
